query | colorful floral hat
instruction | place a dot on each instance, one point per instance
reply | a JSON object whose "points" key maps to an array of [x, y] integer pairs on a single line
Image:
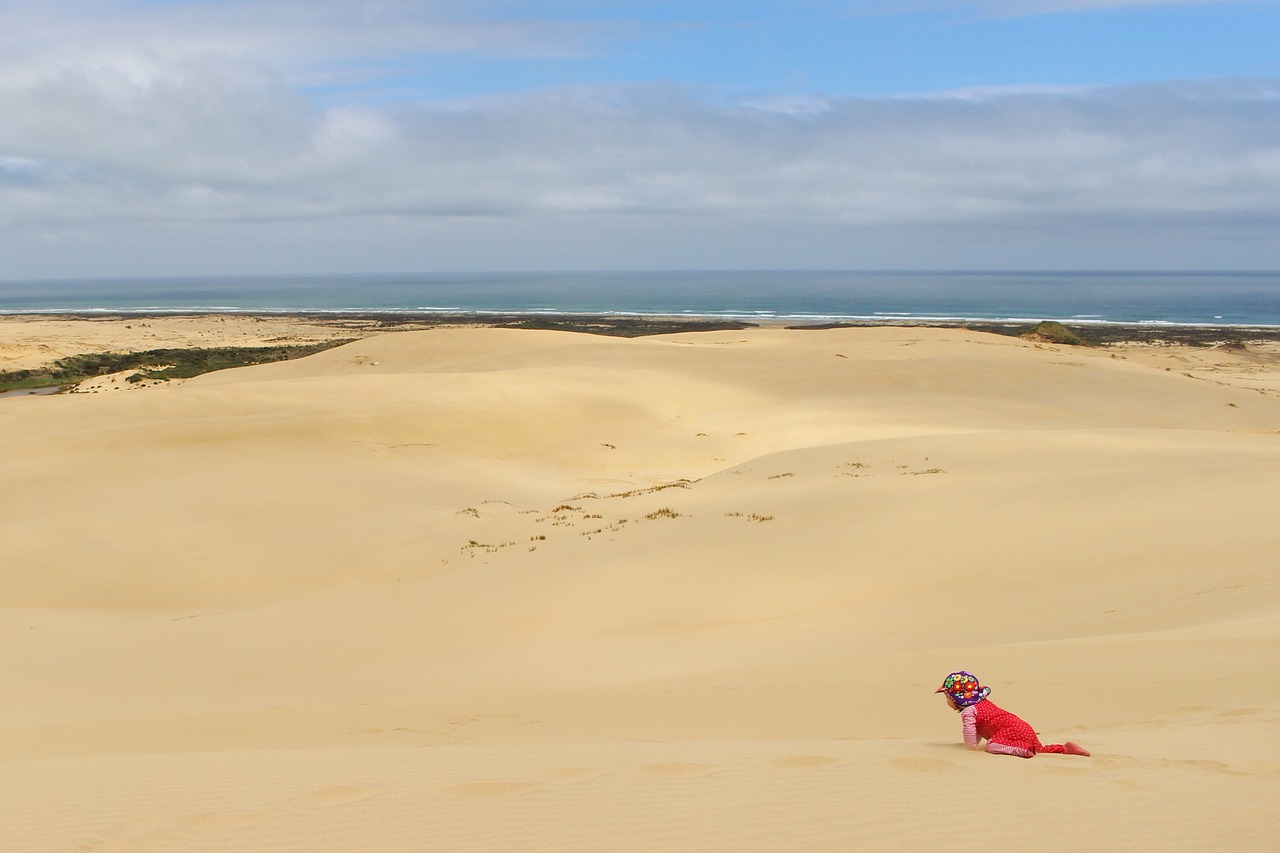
{"points": [[964, 689]]}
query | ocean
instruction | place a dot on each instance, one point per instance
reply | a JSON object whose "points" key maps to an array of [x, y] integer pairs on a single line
{"points": [[1186, 298]]}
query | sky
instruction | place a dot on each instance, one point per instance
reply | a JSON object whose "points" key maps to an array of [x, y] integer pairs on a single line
{"points": [[202, 137]]}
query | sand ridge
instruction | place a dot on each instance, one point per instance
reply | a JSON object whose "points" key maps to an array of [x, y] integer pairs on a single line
{"points": [[680, 592]]}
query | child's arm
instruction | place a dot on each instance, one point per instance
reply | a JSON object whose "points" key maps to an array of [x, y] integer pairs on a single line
{"points": [[969, 725]]}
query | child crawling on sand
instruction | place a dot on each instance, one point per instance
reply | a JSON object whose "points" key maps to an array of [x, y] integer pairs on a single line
{"points": [[1005, 733]]}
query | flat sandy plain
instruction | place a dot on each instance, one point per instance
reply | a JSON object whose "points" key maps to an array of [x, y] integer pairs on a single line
{"points": [[479, 589]]}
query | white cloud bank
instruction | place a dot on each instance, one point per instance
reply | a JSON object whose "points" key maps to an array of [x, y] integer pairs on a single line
{"points": [[157, 159]]}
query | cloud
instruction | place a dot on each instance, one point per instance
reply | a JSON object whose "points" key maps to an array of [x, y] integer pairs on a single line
{"points": [[182, 121], [315, 41], [223, 140]]}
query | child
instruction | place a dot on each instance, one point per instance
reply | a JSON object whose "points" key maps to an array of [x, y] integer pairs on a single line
{"points": [[1006, 734]]}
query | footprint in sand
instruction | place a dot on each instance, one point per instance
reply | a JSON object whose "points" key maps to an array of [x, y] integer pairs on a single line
{"points": [[1068, 768], [570, 775], [336, 795], [1114, 762], [1211, 766], [1239, 712], [222, 821], [803, 761], [922, 765], [491, 789], [678, 769]]}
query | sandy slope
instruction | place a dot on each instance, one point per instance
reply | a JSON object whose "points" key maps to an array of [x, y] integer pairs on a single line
{"points": [[485, 589], [31, 340]]}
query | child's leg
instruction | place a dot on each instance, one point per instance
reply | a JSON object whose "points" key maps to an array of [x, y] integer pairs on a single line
{"points": [[1005, 749], [1067, 748]]}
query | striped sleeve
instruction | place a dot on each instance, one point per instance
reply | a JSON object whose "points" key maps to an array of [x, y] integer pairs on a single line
{"points": [[969, 723]]}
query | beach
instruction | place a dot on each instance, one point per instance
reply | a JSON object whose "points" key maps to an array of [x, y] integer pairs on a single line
{"points": [[476, 588]]}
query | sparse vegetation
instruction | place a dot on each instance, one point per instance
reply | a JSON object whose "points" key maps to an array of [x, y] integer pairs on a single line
{"points": [[473, 546], [1052, 332], [153, 364], [593, 496], [1234, 343], [622, 327], [664, 512]]}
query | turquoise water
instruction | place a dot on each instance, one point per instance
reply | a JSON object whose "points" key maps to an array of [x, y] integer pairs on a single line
{"points": [[1227, 298]]}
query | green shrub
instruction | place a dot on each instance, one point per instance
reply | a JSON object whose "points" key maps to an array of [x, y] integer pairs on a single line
{"points": [[154, 364], [1053, 332]]}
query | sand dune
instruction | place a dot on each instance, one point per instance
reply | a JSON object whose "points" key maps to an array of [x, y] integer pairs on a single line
{"points": [[34, 340], [493, 589]]}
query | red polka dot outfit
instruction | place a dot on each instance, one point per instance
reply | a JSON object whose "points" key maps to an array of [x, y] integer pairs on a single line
{"points": [[988, 721]]}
